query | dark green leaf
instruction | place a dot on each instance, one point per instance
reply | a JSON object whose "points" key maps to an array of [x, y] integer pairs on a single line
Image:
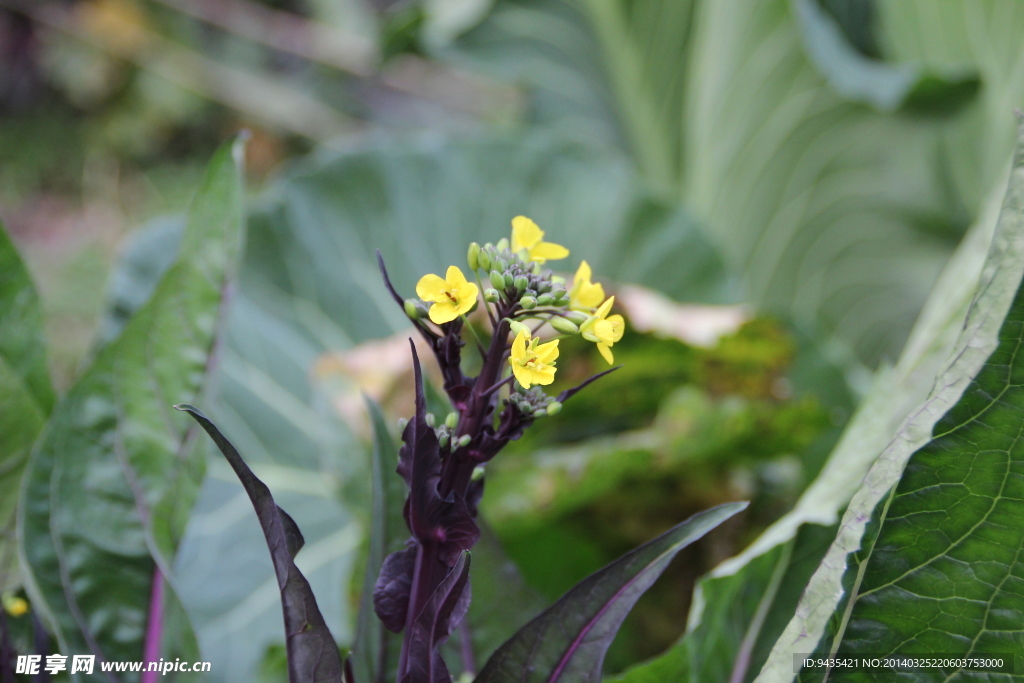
{"points": [[313, 655], [112, 479], [569, 640], [957, 495], [26, 396]]}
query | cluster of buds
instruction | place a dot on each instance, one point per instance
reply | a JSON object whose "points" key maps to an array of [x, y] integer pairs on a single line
{"points": [[442, 464]]}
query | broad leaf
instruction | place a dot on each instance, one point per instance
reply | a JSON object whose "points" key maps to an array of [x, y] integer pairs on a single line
{"points": [[313, 655], [114, 476], [957, 488], [568, 641], [26, 396]]}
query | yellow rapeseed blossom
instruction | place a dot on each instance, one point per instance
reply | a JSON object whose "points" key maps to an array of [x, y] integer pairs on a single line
{"points": [[452, 295], [604, 330], [14, 605], [527, 235], [533, 363], [585, 295]]}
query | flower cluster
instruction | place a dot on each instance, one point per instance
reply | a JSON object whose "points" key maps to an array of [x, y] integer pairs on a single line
{"points": [[442, 464]]}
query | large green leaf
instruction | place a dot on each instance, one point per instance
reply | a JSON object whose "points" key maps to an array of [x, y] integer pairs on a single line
{"points": [[954, 495], [113, 478], [568, 641], [26, 396], [744, 604]]}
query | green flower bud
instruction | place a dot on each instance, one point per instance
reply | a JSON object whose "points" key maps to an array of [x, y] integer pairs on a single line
{"points": [[491, 296], [502, 244], [430, 420], [498, 280], [562, 302], [478, 473], [483, 259], [558, 292], [563, 325], [402, 422], [558, 279], [523, 255], [521, 283], [464, 440], [577, 317], [545, 300], [473, 256], [452, 421], [544, 286], [442, 439], [518, 327], [554, 408], [539, 413], [415, 309], [510, 280], [528, 302]]}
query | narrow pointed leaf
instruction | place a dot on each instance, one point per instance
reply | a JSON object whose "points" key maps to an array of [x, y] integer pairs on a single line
{"points": [[313, 655], [26, 396], [375, 649], [568, 641], [111, 481], [434, 624]]}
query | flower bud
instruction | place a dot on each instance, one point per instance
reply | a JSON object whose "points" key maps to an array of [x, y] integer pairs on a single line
{"points": [[558, 292], [544, 286], [452, 421], [558, 279], [502, 244], [562, 302], [415, 309], [528, 302], [521, 283], [564, 326], [510, 281], [430, 420], [473, 256], [478, 473], [442, 439], [402, 422], [577, 317], [498, 280], [554, 408], [491, 296], [464, 440], [483, 259], [518, 327], [545, 300], [539, 413]]}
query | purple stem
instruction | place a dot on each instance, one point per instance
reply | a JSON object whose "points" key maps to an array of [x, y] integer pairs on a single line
{"points": [[154, 629]]}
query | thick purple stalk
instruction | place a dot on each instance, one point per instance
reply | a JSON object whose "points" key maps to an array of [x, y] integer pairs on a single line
{"points": [[154, 628]]}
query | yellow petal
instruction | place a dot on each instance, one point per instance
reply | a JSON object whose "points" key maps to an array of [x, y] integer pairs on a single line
{"points": [[547, 353], [443, 312], [455, 278], [606, 352], [467, 297], [548, 251], [518, 354], [525, 233], [522, 375], [432, 288], [602, 312], [583, 274], [543, 375], [618, 325]]}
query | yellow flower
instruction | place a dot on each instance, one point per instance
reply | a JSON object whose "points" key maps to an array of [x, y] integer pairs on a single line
{"points": [[14, 605], [533, 363], [585, 295], [603, 329], [526, 235], [452, 296]]}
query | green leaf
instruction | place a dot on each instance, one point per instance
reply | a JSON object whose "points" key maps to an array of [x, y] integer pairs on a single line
{"points": [[114, 475], [723, 626], [885, 86], [569, 640], [313, 655], [26, 396], [375, 649], [912, 532]]}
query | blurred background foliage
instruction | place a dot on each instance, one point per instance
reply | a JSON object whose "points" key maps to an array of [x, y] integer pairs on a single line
{"points": [[771, 188]]}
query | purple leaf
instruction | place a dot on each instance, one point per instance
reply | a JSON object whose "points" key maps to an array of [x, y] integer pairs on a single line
{"points": [[568, 641], [440, 615], [313, 655], [391, 594]]}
